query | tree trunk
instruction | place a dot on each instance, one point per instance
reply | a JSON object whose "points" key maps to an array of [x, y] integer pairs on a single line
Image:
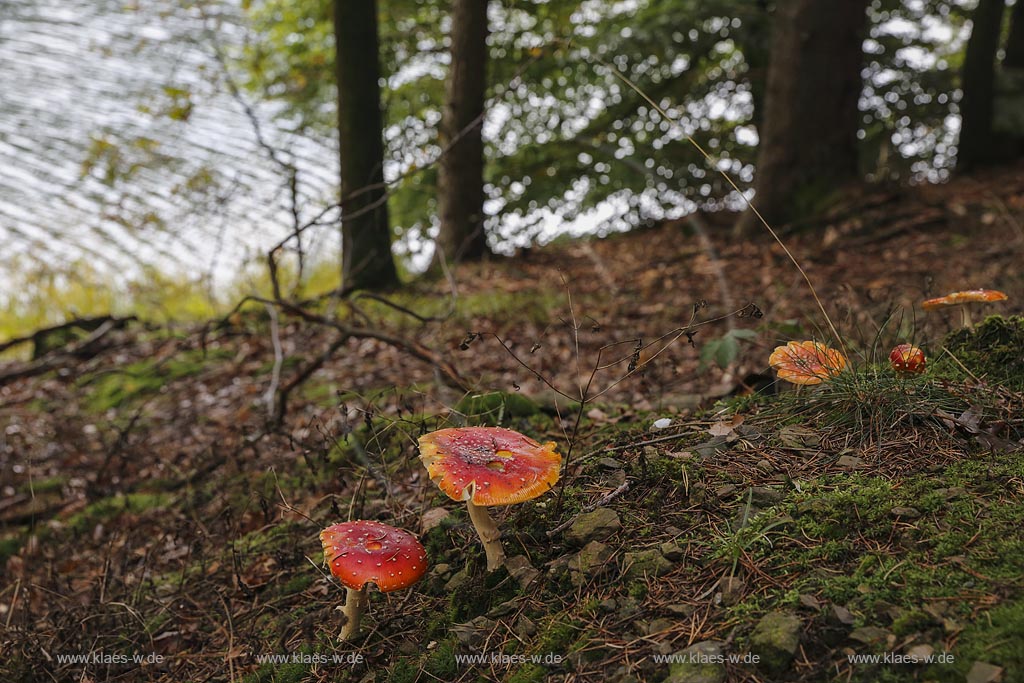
{"points": [[461, 170], [366, 234], [977, 142], [808, 145], [1014, 57]]}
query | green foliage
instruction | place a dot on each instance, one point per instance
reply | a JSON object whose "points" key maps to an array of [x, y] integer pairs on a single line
{"points": [[725, 349]]}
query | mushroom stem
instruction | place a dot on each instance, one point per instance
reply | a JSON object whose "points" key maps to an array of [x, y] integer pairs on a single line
{"points": [[489, 534], [968, 322], [355, 603]]}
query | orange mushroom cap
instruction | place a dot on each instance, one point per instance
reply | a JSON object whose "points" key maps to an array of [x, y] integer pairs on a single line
{"points": [[806, 362], [965, 297], [907, 359], [489, 465], [365, 551]]}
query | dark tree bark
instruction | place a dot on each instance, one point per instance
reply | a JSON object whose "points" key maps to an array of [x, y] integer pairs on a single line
{"points": [[977, 144], [461, 170], [1014, 57], [808, 145], [367, 262]]}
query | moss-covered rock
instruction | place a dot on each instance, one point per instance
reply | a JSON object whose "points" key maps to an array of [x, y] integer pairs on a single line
{"points": [[993, 350], [775, 640], [597, 525], [699, 663]]}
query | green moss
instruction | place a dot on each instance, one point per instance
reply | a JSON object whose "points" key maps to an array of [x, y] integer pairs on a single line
{"points": [[994, 636], [47, 485], [529, 673], [107, 508], [10, 546], [125, 385], [441, 662], [992, 350], [405, 670], [297, 583], [495, 408]]}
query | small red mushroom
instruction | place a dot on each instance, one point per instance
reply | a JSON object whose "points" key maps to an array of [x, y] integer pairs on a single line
{"points": [[489, 466], [907, 360], [365, 551]]}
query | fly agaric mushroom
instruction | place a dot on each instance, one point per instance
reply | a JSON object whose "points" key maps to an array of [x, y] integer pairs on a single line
{"points": [[489, 466], [365, 551], [969, 296], [806, 362], [907, 360]]}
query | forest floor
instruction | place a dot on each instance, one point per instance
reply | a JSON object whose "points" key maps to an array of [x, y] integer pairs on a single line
{"points": [[161, 502]]}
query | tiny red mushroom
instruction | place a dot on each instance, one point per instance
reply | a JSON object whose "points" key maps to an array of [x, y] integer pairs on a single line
{"points": [[969, 296], [907, 360], [365, 551], [489, 466]]}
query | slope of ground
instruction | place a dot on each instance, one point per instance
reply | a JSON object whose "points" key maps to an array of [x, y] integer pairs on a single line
{"points": [[155, 507]]}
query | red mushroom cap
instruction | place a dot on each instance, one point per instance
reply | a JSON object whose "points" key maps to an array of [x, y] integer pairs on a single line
{"points": [[965, 297], [365, 551], [806, 362], [489, 465], [907, 359]]}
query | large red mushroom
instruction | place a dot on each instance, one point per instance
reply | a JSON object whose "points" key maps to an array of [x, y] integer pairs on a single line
{"points": [[489, 466], [806, 362], [365, 552]]}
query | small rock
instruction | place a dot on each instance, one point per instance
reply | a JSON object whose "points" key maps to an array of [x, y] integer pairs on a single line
{"points": [[775, 640], [868, 634], [810, 602], [905, 512], [524, 627], [850, 462], [474, 632], [951, 492], [433, 518], [608, 605], [841, 615], [609, 464], [672, 551], [725, 491], [700, 663], [763, 496], [983, 672], [764, 466], [458, 580], [505, 608], [590, 562], [441, 570], [593, 526], [920, 651], [660, 626], [521, 570], [711, 447], [681, 609], [732, 590], [646, 563], [744, 515]]}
